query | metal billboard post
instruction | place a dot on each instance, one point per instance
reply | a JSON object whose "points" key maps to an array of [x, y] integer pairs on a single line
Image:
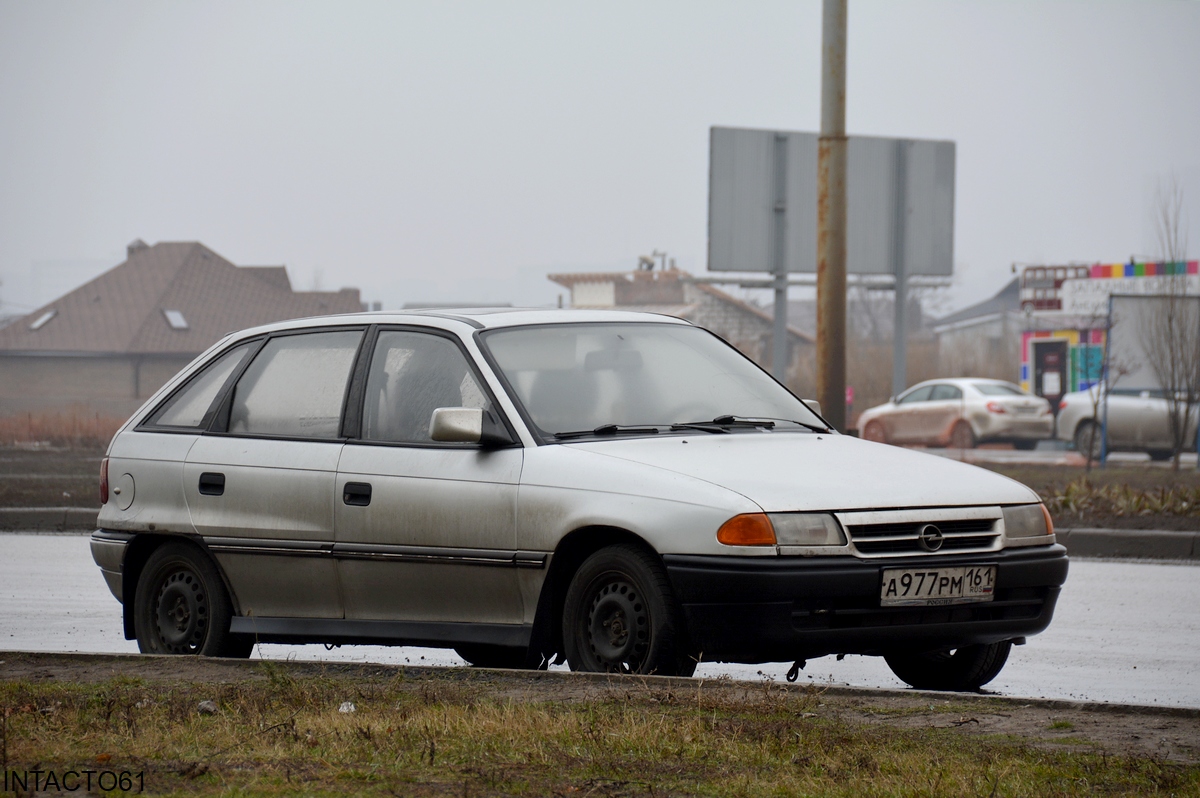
{"points": [[900, 270], [831, 218], [779, 360]]}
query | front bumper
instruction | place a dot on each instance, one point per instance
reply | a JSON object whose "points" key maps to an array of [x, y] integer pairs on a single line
{"points": [[743, 609]]}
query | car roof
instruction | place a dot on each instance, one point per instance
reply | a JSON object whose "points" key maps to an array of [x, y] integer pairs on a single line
{"points": [[471, 318]]}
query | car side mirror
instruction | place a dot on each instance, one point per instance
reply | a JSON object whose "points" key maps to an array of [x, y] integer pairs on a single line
{"points": [[467, 425], [813, 405]]}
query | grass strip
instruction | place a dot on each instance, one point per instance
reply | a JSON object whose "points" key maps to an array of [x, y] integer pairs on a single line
{"points": [[471, 733]]}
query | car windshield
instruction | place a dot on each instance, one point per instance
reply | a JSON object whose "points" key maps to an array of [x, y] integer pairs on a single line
{"points": [[998, 389], [584, 377]]}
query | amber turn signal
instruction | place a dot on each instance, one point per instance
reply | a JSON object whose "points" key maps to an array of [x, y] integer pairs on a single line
{"points": [[1049, 521], [748, 529]]}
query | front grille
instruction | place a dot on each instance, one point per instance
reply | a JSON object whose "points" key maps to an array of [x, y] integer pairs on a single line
{"points": [[903, 538]]}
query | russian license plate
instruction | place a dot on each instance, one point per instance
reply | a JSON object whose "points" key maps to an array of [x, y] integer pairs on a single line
{"points": [[932, 586]]}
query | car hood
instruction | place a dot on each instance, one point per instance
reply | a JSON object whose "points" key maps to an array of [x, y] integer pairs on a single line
{"points": [[783, 471]]}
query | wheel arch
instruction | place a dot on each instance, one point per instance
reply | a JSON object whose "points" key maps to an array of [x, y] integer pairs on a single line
{"points": [[570, 553], [138, 553]]}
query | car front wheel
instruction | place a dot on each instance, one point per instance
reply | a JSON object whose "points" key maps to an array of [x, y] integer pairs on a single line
{"points": [[181, 606], [961, 670], [620, 616], [1087, 439]]}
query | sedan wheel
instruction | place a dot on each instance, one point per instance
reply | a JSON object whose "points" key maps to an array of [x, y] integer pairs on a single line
{"points": [[181, 606], [961, 670], [962, 436], [1088, 438], [620, 616], [874, 432]]}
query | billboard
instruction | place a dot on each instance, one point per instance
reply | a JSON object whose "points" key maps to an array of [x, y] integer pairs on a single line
{"points": [[1139, 328], [763, 203]]}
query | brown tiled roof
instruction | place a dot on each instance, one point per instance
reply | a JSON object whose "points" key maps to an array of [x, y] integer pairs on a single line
{"points": [[123, 310]]}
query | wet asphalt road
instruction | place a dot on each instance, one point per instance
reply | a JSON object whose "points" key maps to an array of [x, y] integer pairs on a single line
{"points": [[1126, 632]]}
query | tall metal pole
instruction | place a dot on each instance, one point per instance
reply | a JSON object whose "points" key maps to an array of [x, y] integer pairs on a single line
{"points": [[831, 218], [900, 271], [779, 336]]}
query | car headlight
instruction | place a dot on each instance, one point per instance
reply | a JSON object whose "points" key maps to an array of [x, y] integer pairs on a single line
{"points": [[1027, 521], [782, 529], [807, 529]]}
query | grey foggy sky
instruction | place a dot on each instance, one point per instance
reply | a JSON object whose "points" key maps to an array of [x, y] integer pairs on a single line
{"points": [[461, 151]]}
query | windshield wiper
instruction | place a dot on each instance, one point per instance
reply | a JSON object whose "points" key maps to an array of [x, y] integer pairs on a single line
{"points": [[607, 429], [727, 422]]}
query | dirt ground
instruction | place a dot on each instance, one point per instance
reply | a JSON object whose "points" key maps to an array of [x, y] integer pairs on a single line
{"points": [[50, 477], [1163, 733]]}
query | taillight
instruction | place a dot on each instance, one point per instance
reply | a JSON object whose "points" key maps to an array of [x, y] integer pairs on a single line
{"points": [[104, 481], [995, 407], [1062, 405]]}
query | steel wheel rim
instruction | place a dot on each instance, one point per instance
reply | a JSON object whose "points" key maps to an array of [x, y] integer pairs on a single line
{"points": [[618, 627], [181, 612]]}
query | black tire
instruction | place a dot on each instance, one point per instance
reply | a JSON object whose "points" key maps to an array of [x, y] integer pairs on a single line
{"points": [[621, 617], [1087, 434], [962, 670], [1025, 446], [483, 655], [962, 436], [1160, 455], [181, 606]]}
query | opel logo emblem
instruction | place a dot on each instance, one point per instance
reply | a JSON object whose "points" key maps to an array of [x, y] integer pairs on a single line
{"points": [[930, 537]]}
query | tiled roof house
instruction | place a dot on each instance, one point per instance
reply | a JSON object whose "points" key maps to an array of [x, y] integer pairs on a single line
{"points": [[103, 348]]}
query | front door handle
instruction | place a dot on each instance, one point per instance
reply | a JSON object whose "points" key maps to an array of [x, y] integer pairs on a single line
{"points": [[212, 484], [356, 494]]}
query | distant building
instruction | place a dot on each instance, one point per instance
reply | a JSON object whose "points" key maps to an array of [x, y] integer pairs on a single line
{"points": [[671, 293], [104, 348], [1046, 329]]}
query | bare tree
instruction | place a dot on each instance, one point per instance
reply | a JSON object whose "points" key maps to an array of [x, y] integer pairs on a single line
{"points": [[1171, 334]]}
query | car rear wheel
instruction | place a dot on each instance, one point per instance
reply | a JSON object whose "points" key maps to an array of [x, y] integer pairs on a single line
{"points": [[961, 670], [1088, 439], [1160, 455], [874, 432], [620, 616], [962, 436], [181, 606]]}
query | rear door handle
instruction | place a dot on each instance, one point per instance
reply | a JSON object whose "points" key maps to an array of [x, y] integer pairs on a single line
{"points": [[356, 494], [212, 484]]}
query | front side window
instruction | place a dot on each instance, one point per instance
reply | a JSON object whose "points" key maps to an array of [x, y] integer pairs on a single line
{"points": [[412, 374], [919, 395], [189, 406], [573, 377], [296, 386]]}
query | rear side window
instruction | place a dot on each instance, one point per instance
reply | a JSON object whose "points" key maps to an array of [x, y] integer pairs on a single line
{"points": [[413, 374], [296, 386], [189, 406], [942, 393]]}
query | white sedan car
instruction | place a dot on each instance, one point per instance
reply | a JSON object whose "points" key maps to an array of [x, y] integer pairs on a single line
{"points": [[960, 413], [622, 491], [1137, 421]]}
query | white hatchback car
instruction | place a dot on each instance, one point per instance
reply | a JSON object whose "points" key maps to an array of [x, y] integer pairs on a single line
{"points": [[623, 491]]}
